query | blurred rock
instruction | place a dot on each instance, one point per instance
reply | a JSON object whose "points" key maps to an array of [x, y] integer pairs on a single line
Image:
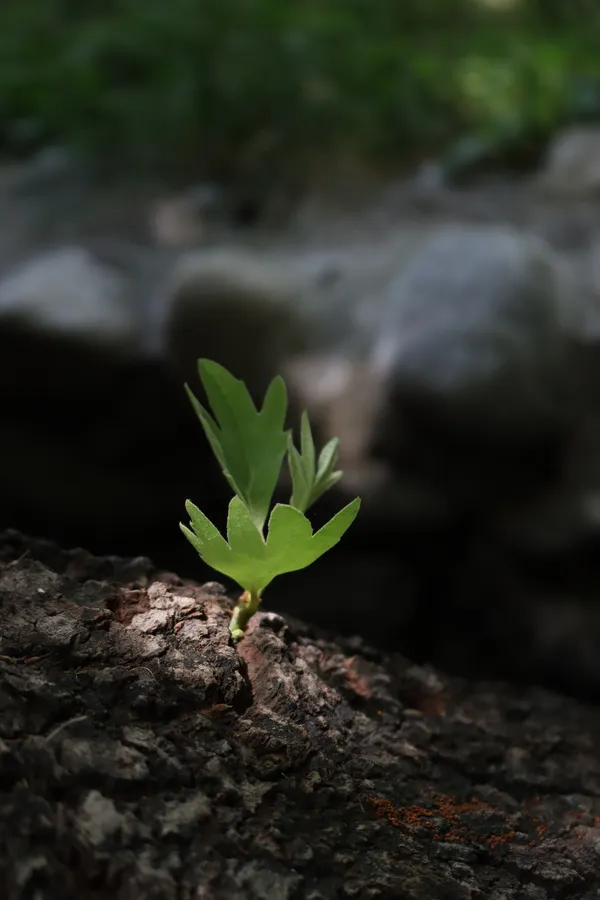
{"points": [[344, 400], [185, 219], [233, 306], [100, 445], [429, 177], [91, 430], [70, 294], [344, 285], [473, 335], [55, 170], [557, 521], [589, 306], [572, 165], [68, 329]]}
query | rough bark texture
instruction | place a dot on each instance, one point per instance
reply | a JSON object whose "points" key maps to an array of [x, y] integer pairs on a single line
{"points": [[143, 756]]}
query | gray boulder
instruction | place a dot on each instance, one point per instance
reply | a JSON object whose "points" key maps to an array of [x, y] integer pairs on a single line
{"points": [[572, 166], [234, 306], [474, 335], [67, 323], [68, 293]]}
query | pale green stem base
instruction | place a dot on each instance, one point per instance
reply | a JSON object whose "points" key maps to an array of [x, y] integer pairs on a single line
{"points": [[242, 613]]}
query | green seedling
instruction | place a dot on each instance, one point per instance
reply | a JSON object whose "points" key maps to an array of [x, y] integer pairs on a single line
{"points": [[250, 446]]}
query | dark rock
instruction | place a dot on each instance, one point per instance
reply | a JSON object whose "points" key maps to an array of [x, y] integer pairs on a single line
{"points": [[475, 330], [234, 307], [572, 167], [167, 763]]}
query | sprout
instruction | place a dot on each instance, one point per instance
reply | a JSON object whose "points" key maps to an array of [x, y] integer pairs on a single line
{"points": [[250, 447]]}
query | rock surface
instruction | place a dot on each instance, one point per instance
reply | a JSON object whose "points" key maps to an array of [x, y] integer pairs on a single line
{"points": [[572, 165], [68, 293], [234, 306], [144, 756], [476, 327]]}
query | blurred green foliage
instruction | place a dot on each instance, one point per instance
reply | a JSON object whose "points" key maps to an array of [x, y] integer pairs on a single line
{"points": [[226, 86]]}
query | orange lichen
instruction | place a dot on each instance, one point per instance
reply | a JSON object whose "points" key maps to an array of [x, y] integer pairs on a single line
{"points": [[384, 809], [450, 810], [494, 839]]}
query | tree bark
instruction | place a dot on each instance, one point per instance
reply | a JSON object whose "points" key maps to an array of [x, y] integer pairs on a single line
{"points": [[142, 755]]}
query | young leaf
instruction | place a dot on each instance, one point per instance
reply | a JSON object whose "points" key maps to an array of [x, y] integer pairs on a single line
{"points": [[302, 478], [326, 474], [307, 484], [241, 558], [253, 562], [291, 543], [307, 444], [249, 445], [206, 538], [328, 458]]}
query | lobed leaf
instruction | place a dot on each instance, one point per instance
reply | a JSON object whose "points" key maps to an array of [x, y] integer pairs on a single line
{"points": [[207, 540], [253, 562], [249, 445], [291, 543], [307, 484], [302, 479]]}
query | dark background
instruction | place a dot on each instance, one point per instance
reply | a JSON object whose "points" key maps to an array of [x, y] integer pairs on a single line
{"points": [[100, 449]]}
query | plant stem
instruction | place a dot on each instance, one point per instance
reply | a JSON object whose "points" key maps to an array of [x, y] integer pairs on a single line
{"points": [[242, 613]]}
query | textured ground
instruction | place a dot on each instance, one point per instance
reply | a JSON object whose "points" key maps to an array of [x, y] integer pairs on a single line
{"points": [[143, 756]]}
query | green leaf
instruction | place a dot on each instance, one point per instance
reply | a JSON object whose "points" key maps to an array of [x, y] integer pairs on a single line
{"points": [[248, 444], [302, 478], [328, 458], [324, 485], [307, 444], [243, 536], [241, 558], [291, 543], [207, 540], [326, 476], [308, 485], [253, 562]]}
